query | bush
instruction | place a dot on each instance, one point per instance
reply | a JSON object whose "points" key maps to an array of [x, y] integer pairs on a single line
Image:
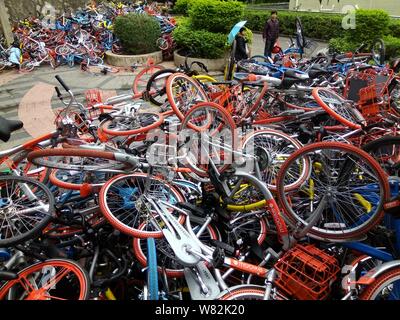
{"points": [[318, 26], [370, 25], [182, 6], [200, 43], [341, 45], [138, 33], [392, 47], [215, 15], [394, 28], [248, 35]]}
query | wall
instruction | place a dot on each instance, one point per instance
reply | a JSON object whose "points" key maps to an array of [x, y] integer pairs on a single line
{"points": [[19, 9], [391, 6]]}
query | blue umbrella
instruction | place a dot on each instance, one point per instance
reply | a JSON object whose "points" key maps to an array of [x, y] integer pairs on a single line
{"points": [[235, 30]]}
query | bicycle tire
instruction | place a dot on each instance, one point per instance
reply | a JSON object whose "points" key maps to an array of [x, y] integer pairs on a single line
{"points": [[179, 108], [388, 158], [159, 92], [43, 158], [382, 281], [380, 56], [243, 292], [148, 71], [139, 119], [270, 172], [7, 200], [351, 123], [26, 67], [226, 123], [327, 232], [82, 276], [114, 220]]}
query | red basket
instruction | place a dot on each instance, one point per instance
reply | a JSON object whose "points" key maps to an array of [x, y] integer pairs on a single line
{"points": [[306, 273], [93, 96], [357, 81]]}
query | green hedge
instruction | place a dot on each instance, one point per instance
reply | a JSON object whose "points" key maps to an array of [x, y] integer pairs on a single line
{"points": [[318, 26], [215, 16], [182, 6], [370, 24], [325, 26], [201, 43], [394, 28], [392, 45], [130, 30]]}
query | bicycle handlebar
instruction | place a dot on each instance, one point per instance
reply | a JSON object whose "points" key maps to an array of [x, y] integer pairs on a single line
{"points": [[61, 81]]}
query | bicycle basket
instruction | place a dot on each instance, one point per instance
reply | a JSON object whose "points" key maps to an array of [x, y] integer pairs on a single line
{"points": [[93, 96], [370, 99], [306, 273]]}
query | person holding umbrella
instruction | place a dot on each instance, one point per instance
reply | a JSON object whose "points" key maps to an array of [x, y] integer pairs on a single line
{"points": [[271, 33], [241, 52]]}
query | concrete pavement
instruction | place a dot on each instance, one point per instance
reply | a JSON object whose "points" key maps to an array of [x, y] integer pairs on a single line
{"points": [[31, 97]]}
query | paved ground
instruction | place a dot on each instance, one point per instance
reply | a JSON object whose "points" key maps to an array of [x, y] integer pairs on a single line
{"points": [[32, 99]]}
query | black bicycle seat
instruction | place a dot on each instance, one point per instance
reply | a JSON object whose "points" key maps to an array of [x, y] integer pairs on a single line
{"points": [[288, 82], [7, 275], [317, 71], [295, 75], [8, 126]]}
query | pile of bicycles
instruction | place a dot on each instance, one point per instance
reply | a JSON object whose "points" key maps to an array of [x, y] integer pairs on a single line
{"points": [[81, 37], [278, 185]]}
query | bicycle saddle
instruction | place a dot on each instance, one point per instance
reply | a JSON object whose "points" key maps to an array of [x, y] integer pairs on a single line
{"points": [[8, 126], [7, 275], [316, 71], [296, 75]]}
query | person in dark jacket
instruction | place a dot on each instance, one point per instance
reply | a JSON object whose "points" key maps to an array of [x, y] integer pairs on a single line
{"points": [[271, 33], [240, 53]]}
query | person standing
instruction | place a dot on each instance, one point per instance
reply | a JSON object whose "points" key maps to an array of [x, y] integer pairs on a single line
{"points": [[271, 33], [241, 52]]}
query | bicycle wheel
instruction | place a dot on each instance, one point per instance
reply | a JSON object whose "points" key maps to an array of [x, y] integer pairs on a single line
{"points": [[26, 207], [162, 44], [79, 160], [130, 125], [243, 292], [301, 42], [143, 77], [385, 287], [378, 51], [386, 151], [123, 204], [156, 87], [353, 185], [55, 279], [20, 163], [152, 274], [211, 133], [75, 180], [26, 66], [272, 149], [338, 108], [183, 92]]}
